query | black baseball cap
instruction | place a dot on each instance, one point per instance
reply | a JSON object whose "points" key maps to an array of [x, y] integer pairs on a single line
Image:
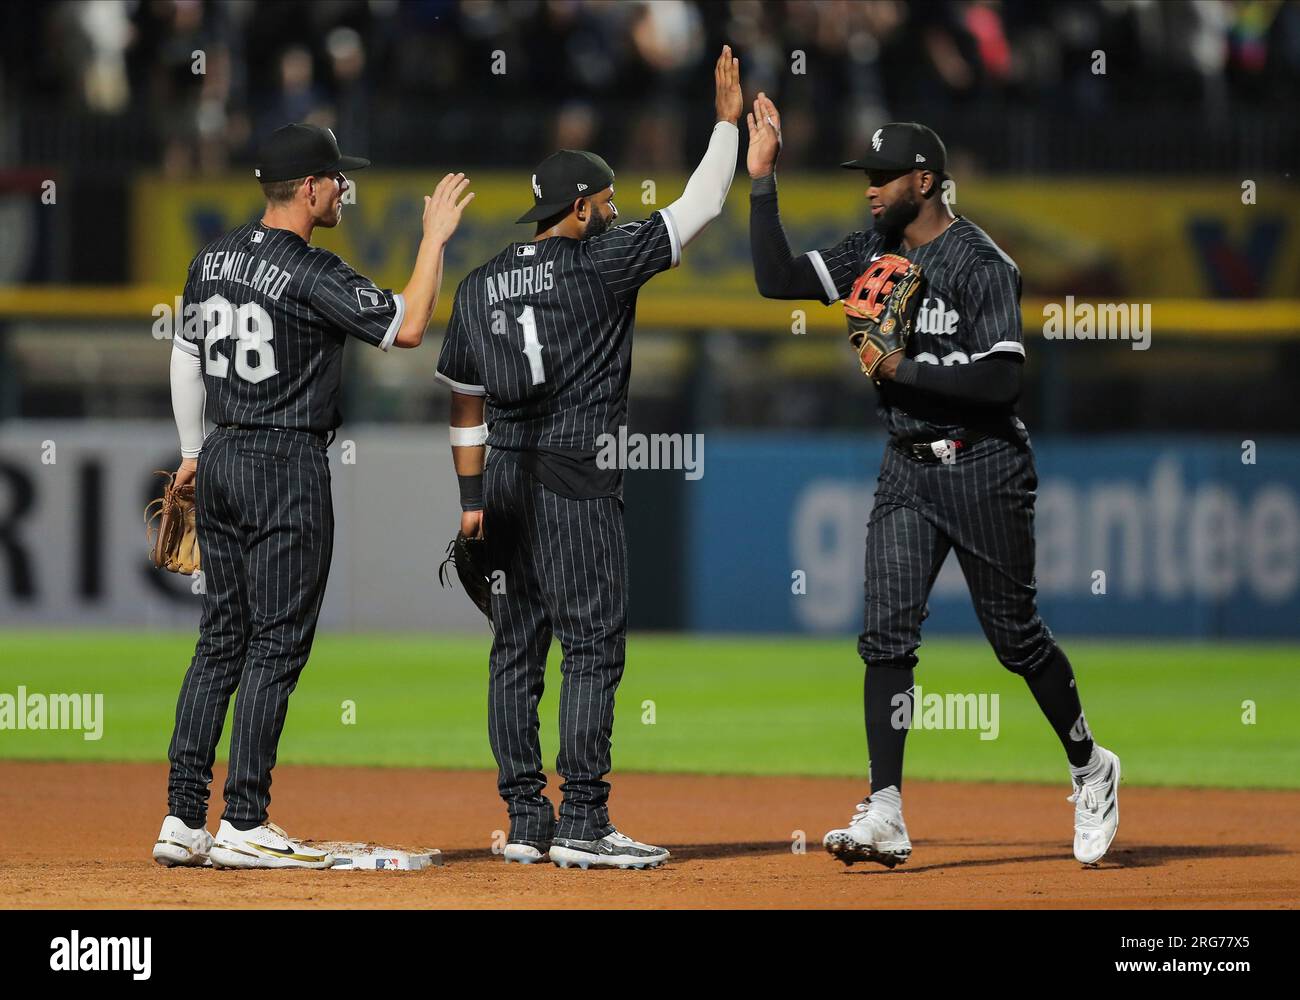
{"points": [[562, 177], [300, 150], [902, 146]]}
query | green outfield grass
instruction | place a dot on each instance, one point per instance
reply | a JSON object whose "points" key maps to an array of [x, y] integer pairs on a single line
{"points": [[725, 705]]}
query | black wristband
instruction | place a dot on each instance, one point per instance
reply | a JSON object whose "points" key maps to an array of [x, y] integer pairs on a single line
{"points": [[766, 184], [471, 491]]}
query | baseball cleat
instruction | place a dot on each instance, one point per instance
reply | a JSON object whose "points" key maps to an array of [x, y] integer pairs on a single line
{"points": [[1096, 808], [178, 845], [522, 853], [614, 850], [265, 846], [875, 833]]}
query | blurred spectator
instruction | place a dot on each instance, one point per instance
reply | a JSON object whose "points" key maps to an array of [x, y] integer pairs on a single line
{"points": [[668, 44], [106, 28], [347, 55], [631, 76]]}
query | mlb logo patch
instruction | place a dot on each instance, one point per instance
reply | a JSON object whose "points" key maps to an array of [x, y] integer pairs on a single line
{"points": [[526, 250], [257, 236], [371, 298]]}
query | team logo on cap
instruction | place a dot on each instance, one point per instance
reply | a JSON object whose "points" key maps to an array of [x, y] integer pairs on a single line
{"points": [[877, 140], [537, 188]]}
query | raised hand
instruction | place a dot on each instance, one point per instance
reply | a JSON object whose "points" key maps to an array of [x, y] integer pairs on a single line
{"points": [[728, 99], [442, 209], [764, 137]]}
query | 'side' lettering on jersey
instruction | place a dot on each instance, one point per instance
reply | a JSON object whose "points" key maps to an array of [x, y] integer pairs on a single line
{"points": [[244, 268], [938, 320], [520, 281]]}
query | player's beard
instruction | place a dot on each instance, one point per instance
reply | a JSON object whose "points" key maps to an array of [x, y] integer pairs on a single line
{"points": [[893, 220], [596, 225]]}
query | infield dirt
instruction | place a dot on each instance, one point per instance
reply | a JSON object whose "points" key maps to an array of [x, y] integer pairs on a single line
{"points": [[79, 835]]}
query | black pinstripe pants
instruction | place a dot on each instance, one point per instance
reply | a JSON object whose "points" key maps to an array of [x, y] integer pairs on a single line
{"points": [[565, 574], [266, 534], [982, 506]]}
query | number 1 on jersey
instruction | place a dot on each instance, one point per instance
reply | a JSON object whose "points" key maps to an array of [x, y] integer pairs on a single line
{"points": [[532, 346]]}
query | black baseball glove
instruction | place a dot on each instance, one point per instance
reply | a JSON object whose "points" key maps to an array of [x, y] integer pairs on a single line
{"points": [[880, 310], [470, 557]]}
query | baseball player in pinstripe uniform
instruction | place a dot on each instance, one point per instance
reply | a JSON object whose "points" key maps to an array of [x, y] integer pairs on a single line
{"points": [[538, 356], [958, 472], [265, 320]]}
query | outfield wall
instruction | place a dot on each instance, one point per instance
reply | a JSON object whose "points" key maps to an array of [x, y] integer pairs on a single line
{"points": [[72, 536], [1192, 541]]}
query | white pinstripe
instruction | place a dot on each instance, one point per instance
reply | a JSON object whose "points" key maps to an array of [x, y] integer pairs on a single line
{"points": [[565, 564]]}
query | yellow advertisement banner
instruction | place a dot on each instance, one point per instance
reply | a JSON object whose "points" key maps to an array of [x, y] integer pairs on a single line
{"points": [[1112, 240]]}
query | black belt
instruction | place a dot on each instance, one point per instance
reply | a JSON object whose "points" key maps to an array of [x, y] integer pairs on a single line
{"points": [[943, 450], [323, 437]]}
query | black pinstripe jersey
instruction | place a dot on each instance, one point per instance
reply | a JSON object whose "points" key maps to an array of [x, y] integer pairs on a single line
{"points": [[970, 309], [544, 331], [268, 315]]}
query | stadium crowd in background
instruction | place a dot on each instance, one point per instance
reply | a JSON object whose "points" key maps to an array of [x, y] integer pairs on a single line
{"points": [[620, 74]]}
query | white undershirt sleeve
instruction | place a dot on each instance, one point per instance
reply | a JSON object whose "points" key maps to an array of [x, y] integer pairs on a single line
{"points": [[188, 398], [706, 191]]}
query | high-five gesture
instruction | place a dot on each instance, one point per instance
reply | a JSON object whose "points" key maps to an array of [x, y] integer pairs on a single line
{"points": [[726, 79], [764, 137], [442, 209]]}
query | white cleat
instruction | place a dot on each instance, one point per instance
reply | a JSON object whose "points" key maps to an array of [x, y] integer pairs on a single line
{"points": [[524, 854], [179, 846], [614, 850], [1096, 809], [875, 833], [265, 846]]}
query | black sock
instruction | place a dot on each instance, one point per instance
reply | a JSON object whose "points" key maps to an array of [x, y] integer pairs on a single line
{"points": [[886, 689], [244, 827], [1054, 689]]}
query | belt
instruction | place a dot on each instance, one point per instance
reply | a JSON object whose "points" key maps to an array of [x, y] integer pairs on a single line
{"points": [[944, 450], [325, 438]]}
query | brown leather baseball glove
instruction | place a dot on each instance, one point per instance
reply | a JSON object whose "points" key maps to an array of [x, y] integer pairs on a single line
{"points": [[170, 528], [881, 308]]}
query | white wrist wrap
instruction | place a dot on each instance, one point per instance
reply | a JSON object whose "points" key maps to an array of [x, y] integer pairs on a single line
{"points": [[469, 437]]}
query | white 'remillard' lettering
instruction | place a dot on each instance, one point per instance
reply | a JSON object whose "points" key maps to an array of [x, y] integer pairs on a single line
{"points": [[235, 267]]}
